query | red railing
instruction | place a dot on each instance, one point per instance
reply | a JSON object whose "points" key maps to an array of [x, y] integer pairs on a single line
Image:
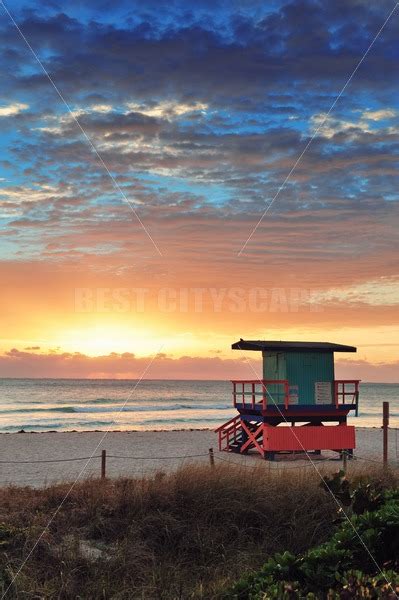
{"points": [[250, 393], [256, 393], [229, 432], [341, 392]]}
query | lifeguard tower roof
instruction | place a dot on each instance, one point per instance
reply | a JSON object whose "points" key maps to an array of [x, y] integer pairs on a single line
{"points": [[264, 345]]}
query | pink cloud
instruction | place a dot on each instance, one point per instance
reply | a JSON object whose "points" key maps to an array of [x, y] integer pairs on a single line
{"points": [[366, 371], [16, 363]]}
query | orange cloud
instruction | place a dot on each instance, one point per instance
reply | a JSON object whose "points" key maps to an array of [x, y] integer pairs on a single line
{"points": [[16, 363], [120, 366]]}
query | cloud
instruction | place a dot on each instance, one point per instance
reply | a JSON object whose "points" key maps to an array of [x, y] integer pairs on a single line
{"points": [[368, 372], [142, 59], [200, 111], [329, 125], [101, 108], [380, 292], [12, 109], [16, 363], [380, 115], [167, 109]]}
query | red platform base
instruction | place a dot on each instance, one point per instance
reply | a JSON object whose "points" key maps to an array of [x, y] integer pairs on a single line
{"points": [[313, 437]]}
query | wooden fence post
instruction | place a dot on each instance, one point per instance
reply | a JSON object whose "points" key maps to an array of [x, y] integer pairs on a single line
{"points": [[103, 463], [385, 423], [211, 457]]}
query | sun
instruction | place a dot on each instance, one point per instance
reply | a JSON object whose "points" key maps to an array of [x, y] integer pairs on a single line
{"points": [[105, 338]]}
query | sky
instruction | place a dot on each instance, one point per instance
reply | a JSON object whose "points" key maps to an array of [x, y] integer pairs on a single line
{"points": [[177, 175]]}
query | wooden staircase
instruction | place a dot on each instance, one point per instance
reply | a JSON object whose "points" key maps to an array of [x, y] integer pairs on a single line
{"points": [[232, 436]]}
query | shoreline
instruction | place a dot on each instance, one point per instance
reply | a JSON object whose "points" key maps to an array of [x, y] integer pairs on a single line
{"points": [[107, 431], [40, 458], [23, 432]]}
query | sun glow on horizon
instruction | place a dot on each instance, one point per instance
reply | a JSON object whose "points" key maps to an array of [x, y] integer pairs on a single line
{"points": [[106, 338]]}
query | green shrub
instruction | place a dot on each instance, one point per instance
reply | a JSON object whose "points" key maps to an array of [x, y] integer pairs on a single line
{"points": [[353, 584], [363, 543]]}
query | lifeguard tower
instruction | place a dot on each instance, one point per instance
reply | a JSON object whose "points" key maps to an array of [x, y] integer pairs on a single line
{"points": [[298, 406]]}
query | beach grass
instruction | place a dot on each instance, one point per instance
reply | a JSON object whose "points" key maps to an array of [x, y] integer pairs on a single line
{"points": [[188, 534]]}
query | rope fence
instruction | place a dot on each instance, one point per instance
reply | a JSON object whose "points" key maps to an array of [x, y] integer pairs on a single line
{"points": [[210, 454], [61, 460], [284, 466], [157, 457], [53, 460]]}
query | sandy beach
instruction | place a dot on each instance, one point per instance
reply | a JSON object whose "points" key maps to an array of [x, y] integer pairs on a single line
{"points": [[139, 453]]}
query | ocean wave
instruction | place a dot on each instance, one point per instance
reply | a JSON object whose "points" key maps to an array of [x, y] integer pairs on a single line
{"points": [[45, 426], [152, 408], [57, 409], [181, 420], [106, 400], [107, 409]]}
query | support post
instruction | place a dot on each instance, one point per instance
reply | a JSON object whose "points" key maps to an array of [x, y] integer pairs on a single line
{"points": [[385, 423], [103, 463], [336, 390], [211, 458], [344, 460], [286, 395], [357, 401]]}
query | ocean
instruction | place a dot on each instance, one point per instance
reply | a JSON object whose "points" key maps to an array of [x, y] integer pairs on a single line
{"points": [[92, 404]]}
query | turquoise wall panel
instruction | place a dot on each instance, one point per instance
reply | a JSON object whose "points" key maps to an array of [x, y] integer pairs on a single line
{"points": [[303, 370], [274, 367]]}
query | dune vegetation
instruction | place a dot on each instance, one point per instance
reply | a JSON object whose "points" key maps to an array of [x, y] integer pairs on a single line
{"points": [[198, 533]]}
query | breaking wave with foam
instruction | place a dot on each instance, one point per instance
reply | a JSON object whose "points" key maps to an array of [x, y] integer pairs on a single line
{"points": [[88, 405]]}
